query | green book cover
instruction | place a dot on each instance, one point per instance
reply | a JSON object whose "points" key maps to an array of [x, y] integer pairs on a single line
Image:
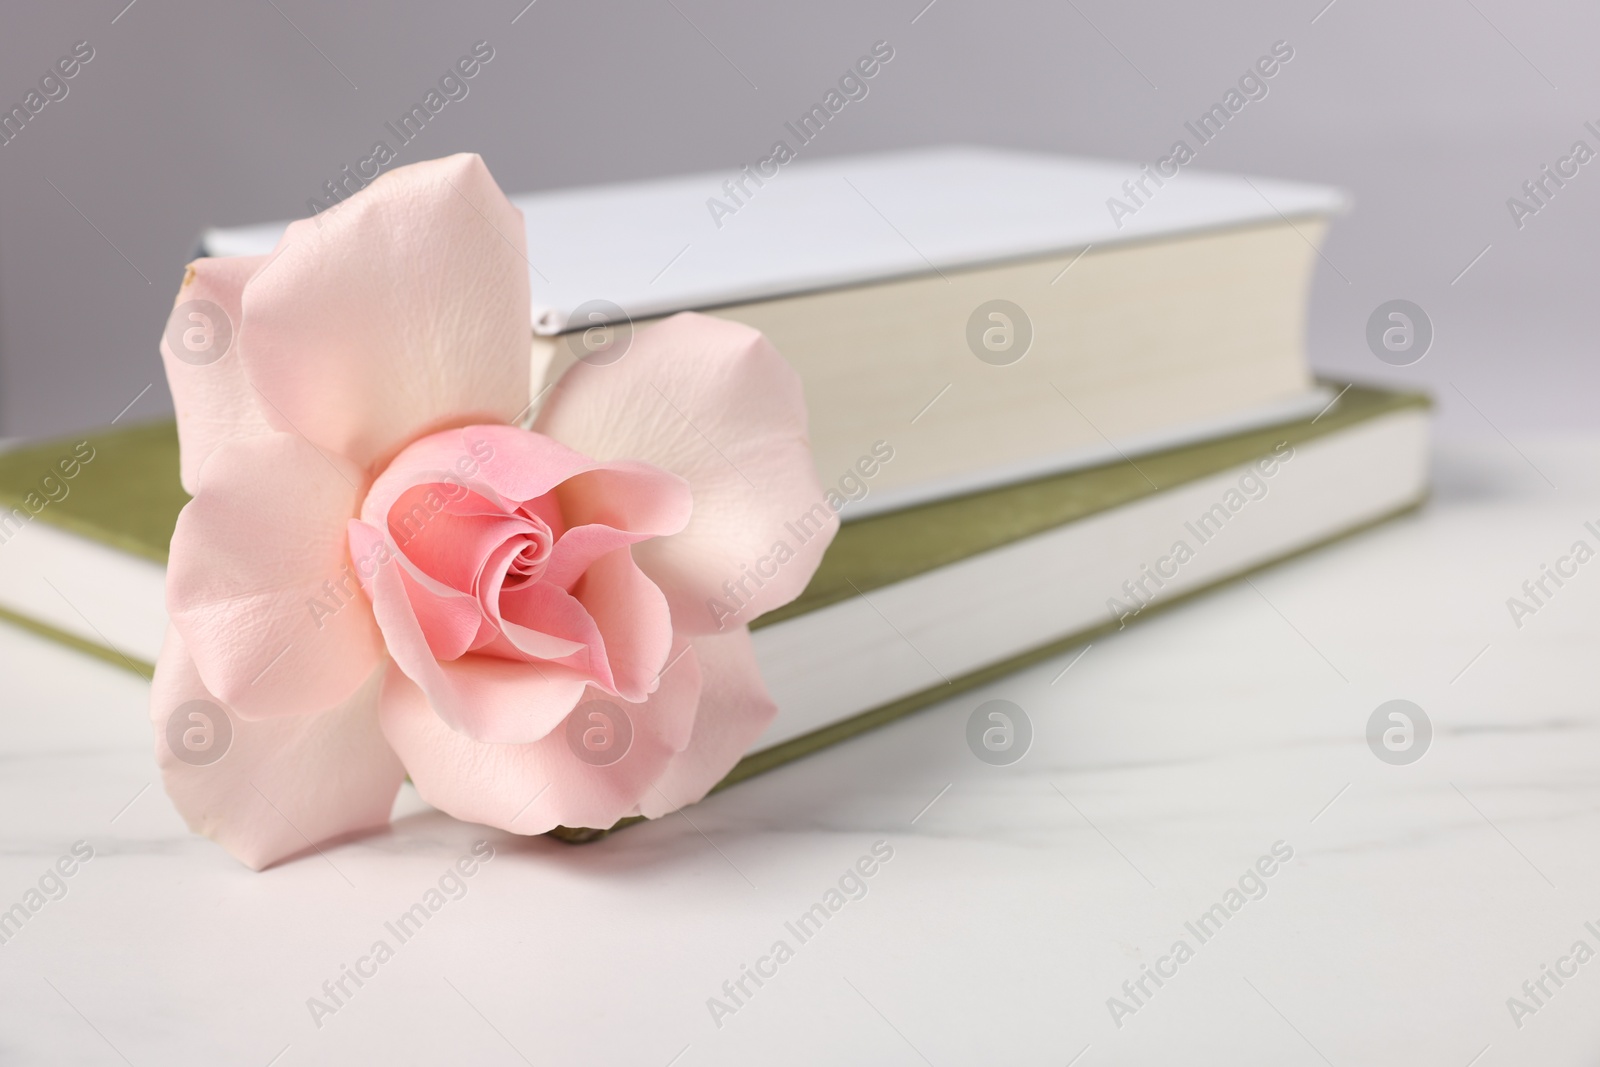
{"points": [[129, 497]]}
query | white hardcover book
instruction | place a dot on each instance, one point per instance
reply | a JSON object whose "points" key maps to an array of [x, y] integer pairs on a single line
{"points": [[993, 315], [658, 246]]}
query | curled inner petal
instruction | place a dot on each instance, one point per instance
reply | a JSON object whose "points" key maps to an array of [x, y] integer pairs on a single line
{"points": [[531, 557], [496, 581]]}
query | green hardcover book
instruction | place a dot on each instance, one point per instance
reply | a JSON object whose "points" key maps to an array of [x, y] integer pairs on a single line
{"points": [[908, 607]]}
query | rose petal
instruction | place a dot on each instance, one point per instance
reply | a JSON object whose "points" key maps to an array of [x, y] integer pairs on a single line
{"points": [[531, 788], [449, 620], [283, 785], [546, 622], [612, 506], [486, 697], [512, 465], [735, 710], [501, 463], [447, 546], [259, 581], [213, 400], [400, 312], [627, 495], [581, 546], [521, 465], [712, 402], [632, 614]]}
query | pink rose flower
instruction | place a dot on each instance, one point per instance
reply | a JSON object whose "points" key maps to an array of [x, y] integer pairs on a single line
{"points": [[380, 574]]}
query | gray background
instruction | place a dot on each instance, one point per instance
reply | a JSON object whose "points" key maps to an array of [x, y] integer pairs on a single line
{"points": [[1432, 113]]}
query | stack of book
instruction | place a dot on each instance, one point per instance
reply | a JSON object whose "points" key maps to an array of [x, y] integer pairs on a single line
{"points": [[1039, 420]]}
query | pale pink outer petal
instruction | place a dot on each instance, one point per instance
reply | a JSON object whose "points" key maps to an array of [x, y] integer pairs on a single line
{"points": [[250, 557], [213, 400], [531, 788], [401, 311], [714, 403], [284, 784], [735, 710], [486, 697]]}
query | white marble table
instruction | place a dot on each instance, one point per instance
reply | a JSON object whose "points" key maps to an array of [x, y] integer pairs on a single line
{"points": [[1166, 761]]}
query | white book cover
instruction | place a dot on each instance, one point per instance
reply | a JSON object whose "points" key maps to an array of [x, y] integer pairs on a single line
{"points": [[724, 237]]}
